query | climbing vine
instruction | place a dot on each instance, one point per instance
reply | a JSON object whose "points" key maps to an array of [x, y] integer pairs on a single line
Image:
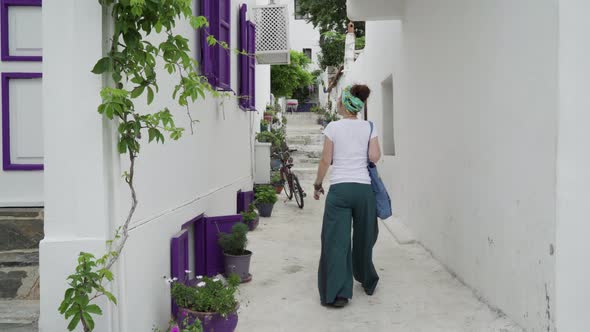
{"points": [[130, 63]]}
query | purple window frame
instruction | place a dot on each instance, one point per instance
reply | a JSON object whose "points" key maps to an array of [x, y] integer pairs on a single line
{"points": [[252, 65], [179, 260], [216, 61], [4, 26], [7, 164], [244, 91]]}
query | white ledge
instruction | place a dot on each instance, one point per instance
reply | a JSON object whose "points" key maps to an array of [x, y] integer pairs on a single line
{"points": [[375, 10]]}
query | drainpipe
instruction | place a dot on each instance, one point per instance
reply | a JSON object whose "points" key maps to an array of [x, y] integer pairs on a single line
{"points": [[349, 48]]}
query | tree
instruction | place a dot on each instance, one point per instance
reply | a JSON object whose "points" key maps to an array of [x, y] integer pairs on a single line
{"points": [[329, 15], [285, 79], [333, 44]]}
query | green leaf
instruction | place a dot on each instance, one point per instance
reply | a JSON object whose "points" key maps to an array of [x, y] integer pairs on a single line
{"points": [[111, 297], [137, 91], [103, 65], [122, 147], [74, 322], [89, 321], [117, 77], [152, 132], [94, 309], [150, 95]]}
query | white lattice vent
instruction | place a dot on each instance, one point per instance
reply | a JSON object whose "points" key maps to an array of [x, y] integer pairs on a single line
{"points": [[272, 34]]}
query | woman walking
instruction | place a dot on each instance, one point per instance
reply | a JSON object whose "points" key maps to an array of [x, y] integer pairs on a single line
{"points": [[350, 202]]}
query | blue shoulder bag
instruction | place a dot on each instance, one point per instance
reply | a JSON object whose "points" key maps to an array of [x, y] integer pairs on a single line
{"points": [[381, 195]]}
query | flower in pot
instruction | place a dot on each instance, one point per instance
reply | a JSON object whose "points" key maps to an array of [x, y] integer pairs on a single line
{"points": [[195, 326], [250, 218], [237, 258], [277, 182], [212, 301], [265, 197]]}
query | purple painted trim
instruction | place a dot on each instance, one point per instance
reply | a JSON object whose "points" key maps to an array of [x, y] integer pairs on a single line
{"points": [[179, 263], [4, 26], [7, 165], [214, 254], [193, 221]]}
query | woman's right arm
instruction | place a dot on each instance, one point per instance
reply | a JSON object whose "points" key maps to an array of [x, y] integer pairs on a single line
{"points": [[374, 150]]}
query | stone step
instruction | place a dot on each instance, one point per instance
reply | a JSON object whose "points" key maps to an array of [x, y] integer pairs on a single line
{"points": [[19, 316]]}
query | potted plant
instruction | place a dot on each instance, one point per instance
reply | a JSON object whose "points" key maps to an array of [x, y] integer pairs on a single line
{"points": [[237, 258], [269, 113], [265, 198], [250, 217], [277, 182], [263, 125], [212, 301], [195, 326]]}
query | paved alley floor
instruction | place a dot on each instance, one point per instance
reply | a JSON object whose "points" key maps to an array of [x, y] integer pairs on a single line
{"points": [[415, 293]]}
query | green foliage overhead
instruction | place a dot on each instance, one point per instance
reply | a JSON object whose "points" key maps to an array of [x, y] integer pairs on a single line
{"points": [[285, 79], [333, 45], [329, 15]]}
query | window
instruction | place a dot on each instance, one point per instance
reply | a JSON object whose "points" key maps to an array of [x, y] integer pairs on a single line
{"points": [[215, 60], [298, 16], [307, 52], [247, 90], [387, 116]]}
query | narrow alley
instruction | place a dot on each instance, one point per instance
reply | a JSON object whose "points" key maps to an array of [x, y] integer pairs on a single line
{"points": [[415, 292]]}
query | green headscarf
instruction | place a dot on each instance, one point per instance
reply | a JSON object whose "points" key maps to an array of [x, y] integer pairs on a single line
{"points": [[351, 103]]}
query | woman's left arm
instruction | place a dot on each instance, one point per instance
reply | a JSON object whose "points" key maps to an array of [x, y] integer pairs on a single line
{"points": [[325, 163]]}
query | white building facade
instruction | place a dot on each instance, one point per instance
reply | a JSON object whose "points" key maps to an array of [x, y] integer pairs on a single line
{"points": [[85, 196], [481, 110]]}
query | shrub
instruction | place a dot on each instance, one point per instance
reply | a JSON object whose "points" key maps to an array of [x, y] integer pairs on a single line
{"points": [[234, 243], [265, 194]]}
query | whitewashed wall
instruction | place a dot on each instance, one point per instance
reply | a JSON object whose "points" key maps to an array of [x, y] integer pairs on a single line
{"points": [[303, 35], [573, 190], [475, 104], [177, 181]]}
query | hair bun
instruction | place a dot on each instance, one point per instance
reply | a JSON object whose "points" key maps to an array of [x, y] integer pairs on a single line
{"points": [[360, 91]]}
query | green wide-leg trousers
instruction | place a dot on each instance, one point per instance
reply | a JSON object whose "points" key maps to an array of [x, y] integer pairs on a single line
{"points": [[346, 204]]}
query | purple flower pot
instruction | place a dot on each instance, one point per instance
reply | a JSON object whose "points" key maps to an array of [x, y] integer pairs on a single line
{"points": [[211, 321], [254, 223]]}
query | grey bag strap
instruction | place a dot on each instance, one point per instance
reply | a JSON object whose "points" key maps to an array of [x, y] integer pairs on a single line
{"points": [[369, 144]]}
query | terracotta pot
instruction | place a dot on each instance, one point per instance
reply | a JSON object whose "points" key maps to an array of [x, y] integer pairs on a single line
{"points": [[211, 321], [279, 189], [268, 117]]}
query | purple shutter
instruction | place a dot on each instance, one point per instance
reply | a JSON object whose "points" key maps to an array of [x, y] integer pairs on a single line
{"points": [[179, 257], [224, 35], [214, 225], [244, 92], [252, 65], [208, 58], [243, 200]]}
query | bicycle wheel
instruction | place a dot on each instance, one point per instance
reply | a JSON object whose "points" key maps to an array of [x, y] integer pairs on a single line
{"points": [[298, 192], [288, 187]]}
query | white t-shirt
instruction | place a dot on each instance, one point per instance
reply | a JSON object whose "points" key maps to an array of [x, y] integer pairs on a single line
{"points": [[351, 143]]}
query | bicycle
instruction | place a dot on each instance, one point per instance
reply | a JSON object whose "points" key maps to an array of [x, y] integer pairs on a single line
{"points": [[293, 188]]}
